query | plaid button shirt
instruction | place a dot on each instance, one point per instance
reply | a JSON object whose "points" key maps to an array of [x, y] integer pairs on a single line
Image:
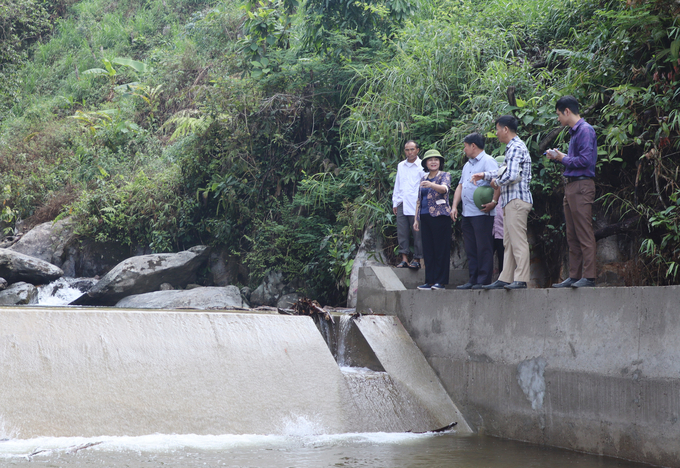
{"points": [[519, 162]]}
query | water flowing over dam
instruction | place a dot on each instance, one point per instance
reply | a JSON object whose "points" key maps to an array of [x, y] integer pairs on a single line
{"points": [[95, 372]]}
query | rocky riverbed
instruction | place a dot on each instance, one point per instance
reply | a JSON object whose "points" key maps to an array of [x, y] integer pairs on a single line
{"points": [[50, 262]]}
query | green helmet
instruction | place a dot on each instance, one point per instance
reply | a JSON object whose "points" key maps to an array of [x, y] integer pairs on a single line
{"points": [[483, 195], [432, 153]]}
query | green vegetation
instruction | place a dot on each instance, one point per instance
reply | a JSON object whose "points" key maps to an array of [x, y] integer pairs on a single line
{"points": [[272, 129]]}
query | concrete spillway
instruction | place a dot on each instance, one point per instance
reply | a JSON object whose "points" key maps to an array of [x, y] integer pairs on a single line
{"points": [[99, 372]]}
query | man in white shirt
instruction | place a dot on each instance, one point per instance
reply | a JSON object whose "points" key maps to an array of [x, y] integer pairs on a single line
{"points": [[404, 198]]}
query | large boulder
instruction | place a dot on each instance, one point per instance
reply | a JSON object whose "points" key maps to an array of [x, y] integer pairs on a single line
{"points": [[19, 293], [198, 298], [145, 273], [55, 242], [272, 288], [45, 241], [225, 268], [15, 267]]}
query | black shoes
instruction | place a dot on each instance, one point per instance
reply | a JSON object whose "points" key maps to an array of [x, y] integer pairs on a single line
{"points": [[565, 284], [425, 286], [469, 285], [496, 285], [516, 285], [571, 282], [584, 283]]}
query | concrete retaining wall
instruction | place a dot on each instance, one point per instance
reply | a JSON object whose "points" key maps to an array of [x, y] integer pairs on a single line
{"points": [[594, 370]]}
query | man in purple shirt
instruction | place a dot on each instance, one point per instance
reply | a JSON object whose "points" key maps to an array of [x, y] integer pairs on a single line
{"points": [[579, 193]]}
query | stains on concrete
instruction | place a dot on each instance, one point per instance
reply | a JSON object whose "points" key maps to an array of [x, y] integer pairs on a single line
{"points": [[573, 349], [530, 377], [436, 325], [474, 356]]}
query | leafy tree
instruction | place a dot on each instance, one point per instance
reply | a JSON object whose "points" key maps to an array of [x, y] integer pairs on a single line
{"points": [[363, 20], [267, 26], [21, 23]]}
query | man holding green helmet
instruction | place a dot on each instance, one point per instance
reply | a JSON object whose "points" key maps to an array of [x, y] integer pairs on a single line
{"points": [[479, 209]]}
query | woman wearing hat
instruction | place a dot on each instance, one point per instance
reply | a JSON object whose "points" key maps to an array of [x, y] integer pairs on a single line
{"points": [[432, 218]]}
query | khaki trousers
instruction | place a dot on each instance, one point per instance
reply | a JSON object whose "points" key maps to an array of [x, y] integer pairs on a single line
{"points": [[578, 214], [517, 255]]}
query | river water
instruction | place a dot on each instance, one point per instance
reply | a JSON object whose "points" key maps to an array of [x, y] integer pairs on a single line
{"points": [[394, 450]]}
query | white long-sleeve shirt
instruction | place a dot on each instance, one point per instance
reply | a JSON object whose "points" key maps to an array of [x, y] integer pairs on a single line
{"points": [[406, 185]]}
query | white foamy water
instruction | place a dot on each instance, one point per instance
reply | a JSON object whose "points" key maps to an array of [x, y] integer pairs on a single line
{"points": [[45, 447], [358, 370], [63, 291], [393, 450]]}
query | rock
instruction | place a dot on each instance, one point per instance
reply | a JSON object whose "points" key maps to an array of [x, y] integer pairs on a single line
{"points": [[15, 267], [82, 284], [19, 293], [286, 301], [271, 289], [45, 241], [55, 243], [225, 268], [370, 253], [3, 283], [90, 259], [458, 255], [145, 273], [166, 287], [213, 297], [8, 241], [538, 276]]}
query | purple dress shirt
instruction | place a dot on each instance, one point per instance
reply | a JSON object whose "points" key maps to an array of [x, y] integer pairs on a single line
{"points": [[582, 155]]}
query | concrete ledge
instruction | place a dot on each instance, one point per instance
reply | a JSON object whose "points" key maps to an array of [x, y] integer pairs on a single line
{"points": [[374, 281], [412, 278], [595, 370]]}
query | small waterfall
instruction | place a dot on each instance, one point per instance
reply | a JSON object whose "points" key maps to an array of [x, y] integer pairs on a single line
{"points": [[347, 344], [343, 336], [383, 401], [64, 290]]}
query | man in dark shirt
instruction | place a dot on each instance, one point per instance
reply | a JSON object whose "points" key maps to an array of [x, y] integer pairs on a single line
{"points": [[579, 193]]}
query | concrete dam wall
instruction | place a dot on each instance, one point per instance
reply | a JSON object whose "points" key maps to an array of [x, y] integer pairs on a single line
{"points": [[594, 369], [93, 372]]}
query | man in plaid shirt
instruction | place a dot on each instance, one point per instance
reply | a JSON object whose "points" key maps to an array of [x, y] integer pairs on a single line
{"points": [[517, 203]]}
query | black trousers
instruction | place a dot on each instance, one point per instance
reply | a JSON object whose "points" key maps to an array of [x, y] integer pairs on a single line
{"points": [[478, 239], [436, 238], [500, 251]]}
